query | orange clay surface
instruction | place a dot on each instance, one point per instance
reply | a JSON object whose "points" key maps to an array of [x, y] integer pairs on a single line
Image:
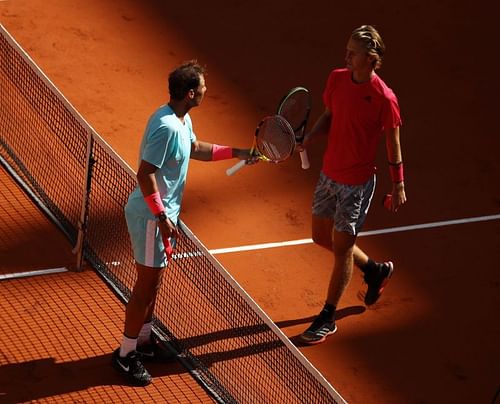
{"points": [[432, 338]]}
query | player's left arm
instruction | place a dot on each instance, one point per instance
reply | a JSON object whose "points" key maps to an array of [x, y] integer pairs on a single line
{"points": [[395, 158], [205, 151]]}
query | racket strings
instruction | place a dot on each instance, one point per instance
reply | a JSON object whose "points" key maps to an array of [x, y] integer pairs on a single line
{"points": [[275, 139], [295, 109]]}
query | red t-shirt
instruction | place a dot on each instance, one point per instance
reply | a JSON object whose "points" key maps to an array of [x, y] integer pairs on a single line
{"points": [[360, 114]]}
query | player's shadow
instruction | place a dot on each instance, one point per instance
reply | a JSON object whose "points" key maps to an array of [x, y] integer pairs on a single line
{"points": [[261, 339], [37, 379], [34, 380], [339, 315]]}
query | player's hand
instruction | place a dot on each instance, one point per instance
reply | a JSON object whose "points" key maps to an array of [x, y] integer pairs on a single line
{"points": [[168, 229], [398, 196], [302, 146], [248, 155]]}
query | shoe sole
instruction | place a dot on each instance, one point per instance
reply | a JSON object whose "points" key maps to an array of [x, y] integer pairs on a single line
{"points": [[319, 341], [383, 285]]}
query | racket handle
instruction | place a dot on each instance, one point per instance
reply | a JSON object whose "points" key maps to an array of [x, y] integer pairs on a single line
{"points": [[238, 166], [304, 158], [168, 248]]}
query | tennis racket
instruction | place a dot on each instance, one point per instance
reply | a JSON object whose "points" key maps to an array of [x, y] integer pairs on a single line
{"points": [[274, 142], [295, 108]]}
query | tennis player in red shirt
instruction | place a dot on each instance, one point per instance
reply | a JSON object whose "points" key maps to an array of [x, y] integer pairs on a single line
{"points": [[359, 109]]}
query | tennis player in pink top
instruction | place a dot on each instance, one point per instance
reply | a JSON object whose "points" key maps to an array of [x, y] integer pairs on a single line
{"points": [[360, 109]]}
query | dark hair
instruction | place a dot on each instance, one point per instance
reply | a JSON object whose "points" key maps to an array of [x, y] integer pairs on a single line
{"points": [[372, 41], [184, 78]]}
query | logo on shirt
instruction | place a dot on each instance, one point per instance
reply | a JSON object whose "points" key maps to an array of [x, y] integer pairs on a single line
{"points": [[368, 98]]}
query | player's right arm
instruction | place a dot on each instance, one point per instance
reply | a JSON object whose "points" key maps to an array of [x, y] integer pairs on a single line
{"points": [[320, 128], [204, 151], [147, 182]]}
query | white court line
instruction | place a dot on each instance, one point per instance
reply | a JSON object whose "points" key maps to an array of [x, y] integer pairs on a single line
{"points": [[18, 275], [361, 234]]}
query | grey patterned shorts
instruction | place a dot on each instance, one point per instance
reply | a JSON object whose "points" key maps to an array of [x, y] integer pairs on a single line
{"points": [[346, 205]]}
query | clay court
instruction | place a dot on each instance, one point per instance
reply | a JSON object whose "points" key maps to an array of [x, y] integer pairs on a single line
{"points": [[432, 338]]}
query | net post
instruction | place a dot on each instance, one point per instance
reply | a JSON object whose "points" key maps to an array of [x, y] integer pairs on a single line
{"points": [[78, 250]]}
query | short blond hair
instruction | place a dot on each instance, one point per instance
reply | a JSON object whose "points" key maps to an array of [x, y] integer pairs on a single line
{"points": [[369, 37]]}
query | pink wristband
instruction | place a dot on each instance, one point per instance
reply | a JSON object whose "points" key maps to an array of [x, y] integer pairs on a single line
{"points": [[154, 203], [396, 171], [221, 152]]}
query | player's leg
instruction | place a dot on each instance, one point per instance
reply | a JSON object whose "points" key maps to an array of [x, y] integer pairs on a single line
{"points": [[322, 228], [345, 208], [126, 359], [376, 274], [324, 207], [323, 212], [324, 324], [146, 332], [342, 268], [142, 299], [150, 259], [147, 343]]}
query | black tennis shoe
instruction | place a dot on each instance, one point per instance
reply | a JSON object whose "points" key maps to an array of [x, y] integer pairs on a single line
{"points": [[377, 282], [131, 367], [318, 331]]}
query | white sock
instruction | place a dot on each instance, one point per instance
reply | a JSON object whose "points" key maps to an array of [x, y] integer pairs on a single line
{"points": [[145, 334], [128, 345]]}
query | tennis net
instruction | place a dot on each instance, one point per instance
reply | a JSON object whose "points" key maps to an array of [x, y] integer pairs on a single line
{"points": [[219, 333]]}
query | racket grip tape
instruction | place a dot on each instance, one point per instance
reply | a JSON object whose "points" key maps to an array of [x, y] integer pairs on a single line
{"points": [[238, 166], [304, 158]]}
